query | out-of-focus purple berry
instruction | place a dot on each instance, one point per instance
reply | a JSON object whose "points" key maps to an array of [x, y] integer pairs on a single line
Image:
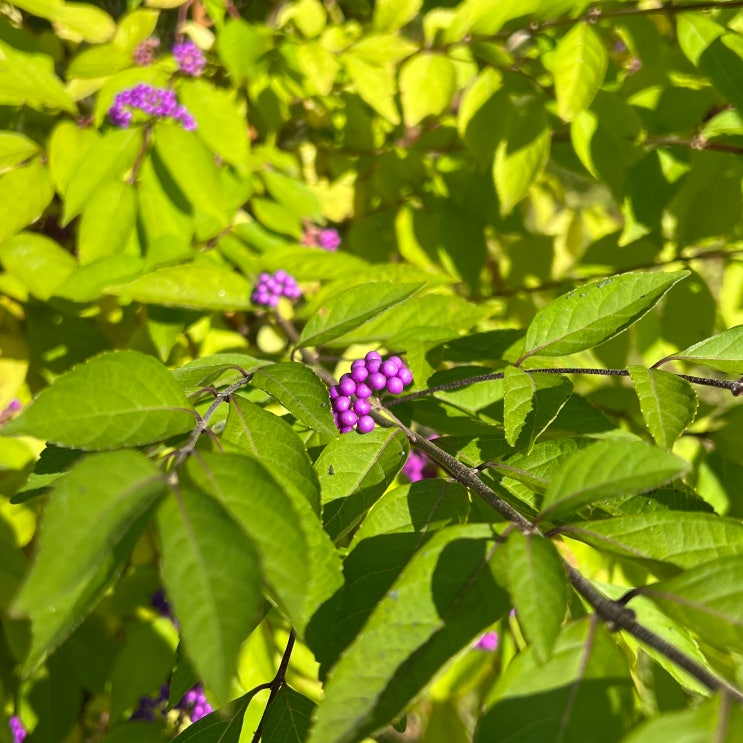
{"points": [[341, 404], [347, 384], [365, 424], [144, 54], [329, 239], [377, 381], [488, 642], [190, 58], [395, 385], [158, 102], [334, 392], [270, 288], [16, 729]]}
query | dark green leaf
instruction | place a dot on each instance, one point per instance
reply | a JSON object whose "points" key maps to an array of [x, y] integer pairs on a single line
{"points": [[218, 727], [538, 587], [301, 392], [116, 399], [272, 441], [430, 614], [86, 516], [586, 317], [354, 470], [606, 470], [532, 401], [218, 370], [293, 194], [288, 717], [205, 555]]}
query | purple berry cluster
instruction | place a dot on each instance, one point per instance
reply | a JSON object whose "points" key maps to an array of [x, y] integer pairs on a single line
{"points": [[144, 54], [327, 239], [190, 58], [488, 642], [350, 397], [417, 467], [271, 287], [193, 705], [160, 102], [17, 730]]}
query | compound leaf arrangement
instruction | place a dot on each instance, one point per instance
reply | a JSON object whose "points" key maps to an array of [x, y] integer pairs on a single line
{"points": [[371, 371]]}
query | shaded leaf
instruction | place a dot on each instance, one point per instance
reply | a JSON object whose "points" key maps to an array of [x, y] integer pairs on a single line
{"points": [[608, 469], [136, 401], [288, 718], [537, 584], [532, 401], [222, 726], [204, 556]]}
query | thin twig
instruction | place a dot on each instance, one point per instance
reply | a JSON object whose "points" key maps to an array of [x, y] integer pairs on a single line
{"points": [[278, 681]]}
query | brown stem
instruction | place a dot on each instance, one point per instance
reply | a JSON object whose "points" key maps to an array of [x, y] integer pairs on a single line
{"points": [[278, 681]]}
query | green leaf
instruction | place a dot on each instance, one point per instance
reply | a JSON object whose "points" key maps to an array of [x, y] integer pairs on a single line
{"points": [[29, 79], [536, 582], [428, 616], [723, 352], [271, 440], [375, 85], [117, 399], [99, 61], [707, 599], [105, 160], [583, 693], [351, 308], [288, 717], [107, 222], [715, 719], [608, 469], [194, 285], [389, 15], [205, 555], [300, 391], [532, 401], [15, 148], [142, 663], [217, 370], [222, 726], [38, 262], [584, 318], [521, 156], [221, 125], [134, 28], [427, 85], [579, 69], [297, 557], [319, 65], [76, 21], [695, 33], [668, 403], [400, 523], [354, 470], [681, 539], [480, 119], [25, 192], [91, 282], [192, 167], [87, 530], [240, 45], [293, 195]]}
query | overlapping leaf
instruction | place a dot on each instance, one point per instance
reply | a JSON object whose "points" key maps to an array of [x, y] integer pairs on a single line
{"points": [[723, 352]]}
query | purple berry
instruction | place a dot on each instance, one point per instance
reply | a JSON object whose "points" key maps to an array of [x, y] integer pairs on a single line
{"points": [[359, 373], [373, 356], [329, 239], [349, 418], [334, 392], [361, 407], [347, 385], [341, 404], [365, 424], [363, 391], [394, 385], [346, 429], [405, 375], [190, 58], [389, 368], [377, 381], [373, 366], [281, 276], [358, 362]]}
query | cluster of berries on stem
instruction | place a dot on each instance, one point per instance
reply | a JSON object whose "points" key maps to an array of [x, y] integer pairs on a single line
{"points": [[190, 58], [350, 397], [271, 287], [193, 705], [159, 102], [17, 730], [325, 238]]}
